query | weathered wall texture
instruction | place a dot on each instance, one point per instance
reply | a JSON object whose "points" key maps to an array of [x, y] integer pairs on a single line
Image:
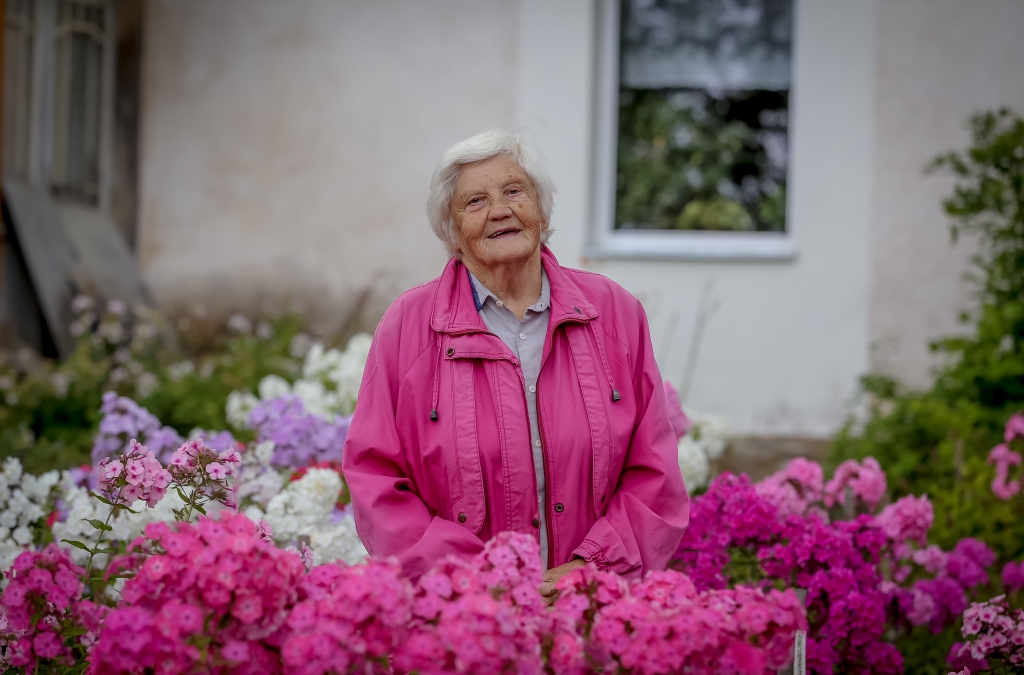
{"points": [[939, 61], [287, 146]]}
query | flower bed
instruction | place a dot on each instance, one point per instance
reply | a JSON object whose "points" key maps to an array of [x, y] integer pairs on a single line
{"points": [[219, 596], [100, 551]]}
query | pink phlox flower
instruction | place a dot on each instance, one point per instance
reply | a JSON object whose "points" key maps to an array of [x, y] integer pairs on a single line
{"points": [[1013, 576], [306, 554], [265, 531], [795, 488], [676, 417], [932, 558], [865, 479], [969, 561], [908, 519], [216, 471], [1004, 458], [1014, 427], [922, 607]]}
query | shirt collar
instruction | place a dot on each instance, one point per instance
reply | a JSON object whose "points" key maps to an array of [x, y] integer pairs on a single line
{"points": [[481, 293]]}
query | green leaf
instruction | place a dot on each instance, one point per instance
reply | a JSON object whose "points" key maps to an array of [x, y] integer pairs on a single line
{"points": [[200, 509], [101, 498], [77, 544], [99, 524]]}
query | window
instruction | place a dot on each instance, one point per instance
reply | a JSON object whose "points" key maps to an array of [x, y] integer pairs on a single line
{"points": [[693, 128], [58, 95], [80, 42], [19, 38]]}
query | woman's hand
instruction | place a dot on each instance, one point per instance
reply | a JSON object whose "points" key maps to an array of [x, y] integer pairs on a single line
{"points": [[551, 577]]}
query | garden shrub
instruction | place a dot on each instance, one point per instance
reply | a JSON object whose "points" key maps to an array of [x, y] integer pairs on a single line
{"points": [[937, 441], [49, 410]]}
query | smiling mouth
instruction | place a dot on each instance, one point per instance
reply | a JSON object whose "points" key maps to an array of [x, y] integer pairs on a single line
{"points": [[501, 233]]}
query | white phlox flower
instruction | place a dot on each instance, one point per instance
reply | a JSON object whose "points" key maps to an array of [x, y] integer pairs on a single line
{"points": [[693, 462], [238, 407], [24, 499], [306, 508]]}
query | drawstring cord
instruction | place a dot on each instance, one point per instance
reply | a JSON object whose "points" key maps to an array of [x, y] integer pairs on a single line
{"points": [[604, 362], [437, 373]]}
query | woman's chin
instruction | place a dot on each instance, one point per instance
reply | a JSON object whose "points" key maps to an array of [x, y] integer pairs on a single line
{"points": [[509, 252]]}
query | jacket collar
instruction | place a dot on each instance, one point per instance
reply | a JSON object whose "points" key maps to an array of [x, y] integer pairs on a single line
{"points": [[455, 312]]}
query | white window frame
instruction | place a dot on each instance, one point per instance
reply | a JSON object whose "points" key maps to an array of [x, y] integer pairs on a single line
{"points": [[607, 242]]}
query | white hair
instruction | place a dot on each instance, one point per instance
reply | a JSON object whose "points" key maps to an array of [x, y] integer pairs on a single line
{"points": [[485, 145]]}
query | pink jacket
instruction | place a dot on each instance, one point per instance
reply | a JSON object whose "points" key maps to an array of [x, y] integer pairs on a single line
{"points": [[438, 456]]}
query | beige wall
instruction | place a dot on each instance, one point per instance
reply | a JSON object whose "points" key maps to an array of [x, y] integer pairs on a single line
{"points": [[938, 62], [287, 146]]}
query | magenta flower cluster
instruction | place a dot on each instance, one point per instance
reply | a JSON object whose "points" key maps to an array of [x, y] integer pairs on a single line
{"points": [[741, 533], [212, 597], [663, 625], [216, 597], [41, 605], [132, 476]]}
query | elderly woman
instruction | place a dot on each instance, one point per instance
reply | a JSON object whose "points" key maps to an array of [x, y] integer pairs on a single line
{"points": [[512, 393]]}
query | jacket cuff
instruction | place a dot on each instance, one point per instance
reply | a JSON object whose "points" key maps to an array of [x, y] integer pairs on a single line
{"points": [[592, 553]]}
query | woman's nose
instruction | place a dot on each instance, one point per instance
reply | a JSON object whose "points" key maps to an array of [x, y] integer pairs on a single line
{"points": [[501, 209]]}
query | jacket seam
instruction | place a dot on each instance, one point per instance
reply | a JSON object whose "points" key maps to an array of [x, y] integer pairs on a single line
{"points": [[416, 360]]}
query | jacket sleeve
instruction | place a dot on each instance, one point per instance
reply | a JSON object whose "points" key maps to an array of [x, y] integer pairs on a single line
{"points": [[391, 518], [649, 510]]}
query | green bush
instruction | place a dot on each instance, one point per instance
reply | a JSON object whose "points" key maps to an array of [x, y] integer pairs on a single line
{"points": [[49, 410], [936, 442]]}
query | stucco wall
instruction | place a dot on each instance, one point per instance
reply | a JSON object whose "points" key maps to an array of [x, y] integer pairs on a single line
{"points": [[939, 61], [286, 147]]}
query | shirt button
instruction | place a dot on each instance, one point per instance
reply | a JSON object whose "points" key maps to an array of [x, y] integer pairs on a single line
{"points": [[522, 336], [533, 388], [499, 303], [462, 517], [559, 508], [536, 522], [537, 442]]}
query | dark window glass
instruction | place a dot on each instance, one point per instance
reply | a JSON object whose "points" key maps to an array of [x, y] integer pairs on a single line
{"points": [[703, 114], [19, 29], [79, 66]]}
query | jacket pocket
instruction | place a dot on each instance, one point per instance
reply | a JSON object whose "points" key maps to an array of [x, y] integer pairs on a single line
{"points": [[467, 499], [596, 394]]}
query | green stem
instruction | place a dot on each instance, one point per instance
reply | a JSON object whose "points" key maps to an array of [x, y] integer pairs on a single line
{"points": [[92, 552]]}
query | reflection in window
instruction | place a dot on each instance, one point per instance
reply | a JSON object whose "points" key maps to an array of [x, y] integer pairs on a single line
{"points": [[79, 68], [19, 28], [703, 114]]}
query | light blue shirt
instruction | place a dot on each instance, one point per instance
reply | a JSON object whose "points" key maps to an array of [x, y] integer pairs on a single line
{"points": [[526, 341]]}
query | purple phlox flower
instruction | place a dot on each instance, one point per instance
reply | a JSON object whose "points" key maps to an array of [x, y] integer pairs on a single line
{"points": [[300, 437]]}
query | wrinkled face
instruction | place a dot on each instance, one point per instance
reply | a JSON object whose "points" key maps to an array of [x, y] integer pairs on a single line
{"points": [[496, 213]]}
